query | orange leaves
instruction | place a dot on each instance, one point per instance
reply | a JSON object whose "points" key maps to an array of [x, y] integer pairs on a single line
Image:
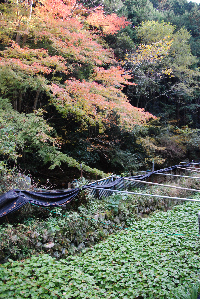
{"points": [[114, 76], [82, 47], [78, 98], [109, 24], [68, 38], [15, 51], [57, 8], [93, 103], [32, 61], [70, 49], [17, 64]]}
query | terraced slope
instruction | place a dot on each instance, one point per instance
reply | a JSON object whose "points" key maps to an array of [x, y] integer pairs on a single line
{"points": [[159, 257]]}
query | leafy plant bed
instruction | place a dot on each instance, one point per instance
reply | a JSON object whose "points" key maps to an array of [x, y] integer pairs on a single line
{"points": [[60, 232], [158, 257]]}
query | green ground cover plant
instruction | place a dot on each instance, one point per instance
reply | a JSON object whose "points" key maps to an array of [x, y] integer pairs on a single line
{"points": [[70, 229], [158, 257]]}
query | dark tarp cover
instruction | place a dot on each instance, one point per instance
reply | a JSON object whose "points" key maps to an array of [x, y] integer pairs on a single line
{"points": [[15, 199]]}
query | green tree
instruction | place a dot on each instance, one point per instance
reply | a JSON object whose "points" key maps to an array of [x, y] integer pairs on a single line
{"points": [[154, 31], [164, 69]]}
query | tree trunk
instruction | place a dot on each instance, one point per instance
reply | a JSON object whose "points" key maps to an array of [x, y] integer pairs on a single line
{"points": [[20, 103], [36, 99], [24, 39], [18, 38]]}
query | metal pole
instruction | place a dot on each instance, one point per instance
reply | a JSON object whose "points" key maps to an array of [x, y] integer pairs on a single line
{"points": [[153, 166], [199, 221]]}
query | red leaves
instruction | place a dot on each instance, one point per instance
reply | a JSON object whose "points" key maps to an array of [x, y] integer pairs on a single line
{"points": [[17, 64], [68, 47], [109, 24], [32, 61], [57, 8], [67, 36], [114, 76], [93, 103]]}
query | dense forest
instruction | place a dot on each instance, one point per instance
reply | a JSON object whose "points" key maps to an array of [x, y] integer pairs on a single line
{"points": [[104, 86]]}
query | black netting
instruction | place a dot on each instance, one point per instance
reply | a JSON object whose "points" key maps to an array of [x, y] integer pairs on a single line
{"points": [[15, 199]]}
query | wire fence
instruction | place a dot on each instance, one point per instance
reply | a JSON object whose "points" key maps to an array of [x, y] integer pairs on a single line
{"points": [[15, 199], [115, 184], [98, 188]]}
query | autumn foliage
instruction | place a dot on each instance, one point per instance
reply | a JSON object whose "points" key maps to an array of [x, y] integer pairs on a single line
{"points": [[53, 58], [66, 49], [109, 24]]}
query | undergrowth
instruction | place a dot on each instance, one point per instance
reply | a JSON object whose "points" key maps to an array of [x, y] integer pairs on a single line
{"points": [[158, 257], [64, 231]]}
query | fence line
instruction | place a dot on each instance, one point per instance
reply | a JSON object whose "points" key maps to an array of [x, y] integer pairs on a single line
{"points": [[177, 175], [147, 194], [157, 184], [136, 181], [190, 169], [103, 187]]}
